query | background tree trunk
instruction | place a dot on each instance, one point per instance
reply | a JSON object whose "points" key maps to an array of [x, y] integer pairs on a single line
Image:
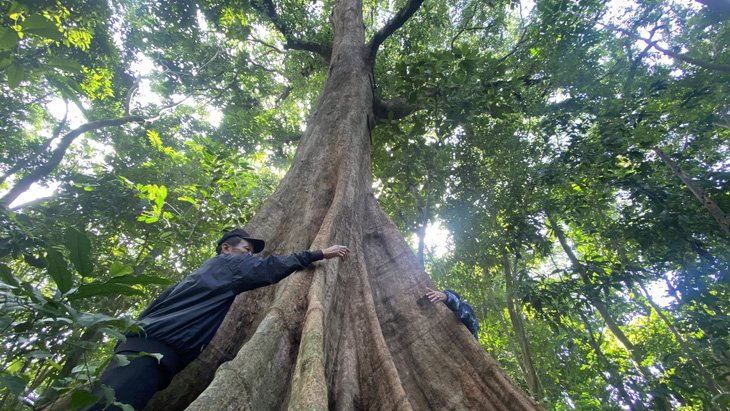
{"points": [[600, 305], [347, 335], [505, 330], [533, 380], [710, 205], [612, 375]]}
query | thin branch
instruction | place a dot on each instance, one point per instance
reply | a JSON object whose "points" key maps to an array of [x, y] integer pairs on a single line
{"points": [[271, 46], [37, 152], [523, 38], [674, 55], [268, 70], [462, 30], [485, 28], [159, 113], [267, 7], [217, 52], [130, 95], [392, 25], [44, 170]]}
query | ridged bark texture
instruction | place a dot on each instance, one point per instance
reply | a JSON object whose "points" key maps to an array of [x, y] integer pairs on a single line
{"points": [[345, 335]]}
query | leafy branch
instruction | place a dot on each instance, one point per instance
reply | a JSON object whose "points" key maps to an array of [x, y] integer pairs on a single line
{"points": [[46, 169]]}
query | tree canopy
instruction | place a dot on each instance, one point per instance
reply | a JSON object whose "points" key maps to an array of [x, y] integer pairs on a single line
{"points": [[576, 151]]}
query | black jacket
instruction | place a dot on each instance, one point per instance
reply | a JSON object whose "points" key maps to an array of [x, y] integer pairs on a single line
{"points": [[187, 315]]}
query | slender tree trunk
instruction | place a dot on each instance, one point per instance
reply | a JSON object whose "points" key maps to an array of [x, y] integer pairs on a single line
{"points": [[533, 380], [425, 213], [613, 376], [710, 205], [600, 306], [709, 381], [505, 330], [345, 335]]}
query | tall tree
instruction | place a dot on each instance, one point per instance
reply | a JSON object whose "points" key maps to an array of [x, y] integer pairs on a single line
{"points": [[347, 335]]}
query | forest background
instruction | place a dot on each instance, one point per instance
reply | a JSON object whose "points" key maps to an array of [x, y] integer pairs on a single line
{"points": [[574, 154]]}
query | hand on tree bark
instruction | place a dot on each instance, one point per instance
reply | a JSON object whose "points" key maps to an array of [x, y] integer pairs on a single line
{"points": [[435, 296], [336, 251]]}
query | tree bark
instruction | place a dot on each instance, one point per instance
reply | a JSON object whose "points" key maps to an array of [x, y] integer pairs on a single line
{"points": [[357, 334], [710, 205]]}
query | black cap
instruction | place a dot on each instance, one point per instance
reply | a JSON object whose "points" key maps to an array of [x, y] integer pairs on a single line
{"points": [[258, 245]]}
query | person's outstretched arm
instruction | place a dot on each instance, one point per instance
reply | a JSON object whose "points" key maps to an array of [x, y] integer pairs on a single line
{"points": [[462, 310]]}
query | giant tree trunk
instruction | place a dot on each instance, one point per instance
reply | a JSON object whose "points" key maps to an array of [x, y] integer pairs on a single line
{"points": [[356, 334]]}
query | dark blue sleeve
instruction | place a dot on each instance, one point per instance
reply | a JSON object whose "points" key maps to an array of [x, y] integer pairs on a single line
{"points": [[452, 300], [251, 272], [464, 311]]}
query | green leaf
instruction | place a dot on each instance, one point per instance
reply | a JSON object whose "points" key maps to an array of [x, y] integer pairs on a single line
{"points": [[54, 364], [154, 354], [23, 327], [8, 38], [122, 359], [6, 274], [114, 333], [6, 59], [103, 289], [38, 262], [15, 74], [722, 399], [41, 26], [91, 319], [69, 65], [16, 7], [59, 271], [141, 279], [69, 88], [118, 269], [124, 407], [15, 384], [40, 354], [80, 247], [82, 398]]}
